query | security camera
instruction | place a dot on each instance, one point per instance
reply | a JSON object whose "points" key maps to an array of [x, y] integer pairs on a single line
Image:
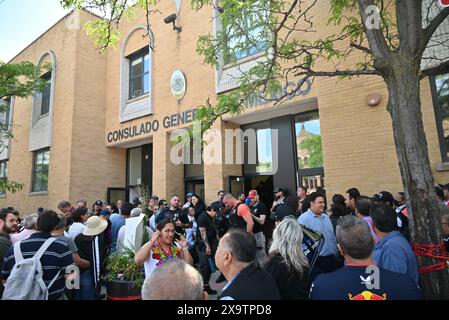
{"points": [[171, 19]]}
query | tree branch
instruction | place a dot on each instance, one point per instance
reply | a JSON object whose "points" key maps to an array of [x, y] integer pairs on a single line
{"points": [[409, 23], [360, 47], [435, 70], [311, 73], [433, 26], [375, 36]]}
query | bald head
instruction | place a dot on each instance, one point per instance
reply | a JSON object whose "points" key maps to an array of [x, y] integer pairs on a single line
{"points": [[174, 280], [229, 201]]}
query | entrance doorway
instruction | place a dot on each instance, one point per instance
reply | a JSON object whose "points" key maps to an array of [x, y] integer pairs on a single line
{"points": [[263, 185], [115, 194], [195, 187]]}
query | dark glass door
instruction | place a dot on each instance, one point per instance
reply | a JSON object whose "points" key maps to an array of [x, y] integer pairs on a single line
{"points": [[309, 152], [115, 194], [196, 187], [147, 166]]}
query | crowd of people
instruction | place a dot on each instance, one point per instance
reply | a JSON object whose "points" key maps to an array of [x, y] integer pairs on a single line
{"points": [[188, 241]]}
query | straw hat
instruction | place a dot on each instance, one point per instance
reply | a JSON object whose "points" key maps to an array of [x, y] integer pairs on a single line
{"points": [[95, 225]]}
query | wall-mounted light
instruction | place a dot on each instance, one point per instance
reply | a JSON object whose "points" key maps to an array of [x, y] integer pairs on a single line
{"points": [[171, 19]]}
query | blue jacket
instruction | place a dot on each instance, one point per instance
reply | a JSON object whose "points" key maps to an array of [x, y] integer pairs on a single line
{"points": [[394, 253]]}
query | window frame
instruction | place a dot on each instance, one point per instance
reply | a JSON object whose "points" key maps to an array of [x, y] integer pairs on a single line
{"points": [[439, 115], [142, 53], [34, 173], [6, 161]]}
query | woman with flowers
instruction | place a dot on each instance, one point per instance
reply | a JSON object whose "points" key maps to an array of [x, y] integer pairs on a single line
{"points": [[162, 247]]}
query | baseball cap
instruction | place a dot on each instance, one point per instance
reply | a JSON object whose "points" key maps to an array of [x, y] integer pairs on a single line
{"points": [[252, 194], [215, 206], [278, 190], [189, 194], [104, 212], [98, 203], [281, 212]]}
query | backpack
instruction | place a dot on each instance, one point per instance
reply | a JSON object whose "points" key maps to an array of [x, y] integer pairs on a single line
{"points": [[25, 281]]}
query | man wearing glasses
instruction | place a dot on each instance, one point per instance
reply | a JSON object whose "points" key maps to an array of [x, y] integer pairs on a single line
{"points": [[161, 205]]}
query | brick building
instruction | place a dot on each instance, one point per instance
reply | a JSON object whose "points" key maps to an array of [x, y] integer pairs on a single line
{"points": [[103, 125]]}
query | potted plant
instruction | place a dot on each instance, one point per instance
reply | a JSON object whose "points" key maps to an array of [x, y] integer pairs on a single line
{"points": [[124, 279]]}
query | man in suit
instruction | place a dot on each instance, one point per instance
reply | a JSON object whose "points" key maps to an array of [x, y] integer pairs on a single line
{"points": [[235, 257]]}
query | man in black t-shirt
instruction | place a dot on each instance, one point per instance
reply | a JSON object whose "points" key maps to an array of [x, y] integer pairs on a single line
{"points": [[259, 213], [207, 244], [179, 217]]}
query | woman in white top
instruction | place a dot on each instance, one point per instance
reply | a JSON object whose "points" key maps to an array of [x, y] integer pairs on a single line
{"points": [[162, 247], [79, 216]]}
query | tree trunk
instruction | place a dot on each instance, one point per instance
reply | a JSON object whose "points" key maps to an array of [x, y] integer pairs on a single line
{"points": [[404, 106]]}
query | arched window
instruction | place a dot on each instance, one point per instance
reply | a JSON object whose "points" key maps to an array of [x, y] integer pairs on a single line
{"points": [[136, 76], [42, 110]]}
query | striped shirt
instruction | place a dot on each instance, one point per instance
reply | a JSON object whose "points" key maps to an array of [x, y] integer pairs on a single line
{"points": [[57, 257]]}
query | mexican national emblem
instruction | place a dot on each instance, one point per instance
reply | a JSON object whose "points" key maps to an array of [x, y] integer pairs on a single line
{"points": [[178, 84]]}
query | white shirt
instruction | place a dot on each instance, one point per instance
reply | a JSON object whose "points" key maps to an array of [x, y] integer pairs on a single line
{"points": [[150, 264], [75, 229], [153, 222], [22, 235]]}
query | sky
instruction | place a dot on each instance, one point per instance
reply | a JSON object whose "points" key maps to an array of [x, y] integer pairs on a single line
{"points": [[23, 21]]}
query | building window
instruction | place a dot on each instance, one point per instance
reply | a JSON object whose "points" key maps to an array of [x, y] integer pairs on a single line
{"points": [[5, 111], [134, 166], [139, 70], [45, 102], [40, 170], [440, 88], [3, 173], [246, 37]]}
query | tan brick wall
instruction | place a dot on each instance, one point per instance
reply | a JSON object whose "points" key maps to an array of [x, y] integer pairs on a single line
{"points": [[62, 42], [94, 167]]}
